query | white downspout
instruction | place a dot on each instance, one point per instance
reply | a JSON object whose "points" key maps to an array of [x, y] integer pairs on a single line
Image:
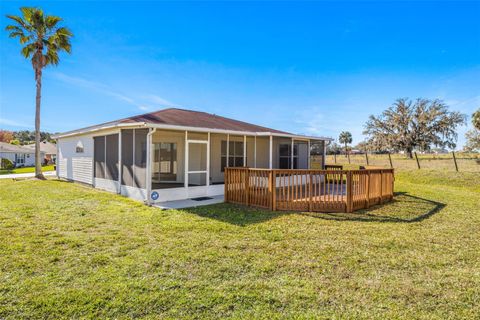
{"points": [[228, 150], [308, 155], [324, 153], [149, 164], [291, 154], [185, 162], [255, 152], [270, 160], [244, 150], [207, 182], [120, 164], [57, 168]]}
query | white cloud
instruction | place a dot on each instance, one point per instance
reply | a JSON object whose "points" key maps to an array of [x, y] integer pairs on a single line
{"points": [[14, 123], [151, 99], [160, 101]]}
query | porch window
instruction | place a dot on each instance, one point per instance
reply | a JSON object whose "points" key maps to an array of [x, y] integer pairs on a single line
{"points": [[105, 156], [235, 154], [165, 162], [285, 153]]}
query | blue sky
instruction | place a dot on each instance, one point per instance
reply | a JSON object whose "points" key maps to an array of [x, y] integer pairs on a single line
{"points": [[313, 67]]}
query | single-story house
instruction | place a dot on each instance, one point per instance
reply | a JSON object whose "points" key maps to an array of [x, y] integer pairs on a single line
{"points": [[48, 148], [175, 154], [20, 156]]}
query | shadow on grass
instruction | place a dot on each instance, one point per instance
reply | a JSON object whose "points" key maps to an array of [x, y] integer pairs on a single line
{"points": [[235, 214], [404, 208]]}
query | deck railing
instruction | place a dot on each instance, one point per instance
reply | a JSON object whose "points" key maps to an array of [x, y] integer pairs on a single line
{"points": [[333, 190]]}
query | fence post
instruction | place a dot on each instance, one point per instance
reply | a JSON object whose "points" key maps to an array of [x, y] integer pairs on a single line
{"points": [[349, 191], [366, 158], [416, 158], [390, 159], [455, 160], [246, 182], [367, 188]]}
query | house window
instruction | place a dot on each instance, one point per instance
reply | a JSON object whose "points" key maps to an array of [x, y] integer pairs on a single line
{"points": [[235, 154], [20, 159], [285, 153], [165, 162], [79, 147]]}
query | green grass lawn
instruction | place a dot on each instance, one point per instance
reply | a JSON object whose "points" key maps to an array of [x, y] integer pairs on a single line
{"points": [[27, 169], [68, 251]]}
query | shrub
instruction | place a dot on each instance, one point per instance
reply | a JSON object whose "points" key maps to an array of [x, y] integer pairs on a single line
{"points": [[6, 164]]}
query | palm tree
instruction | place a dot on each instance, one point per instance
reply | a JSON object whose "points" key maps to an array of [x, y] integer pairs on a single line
{"points": [[345, 138], [42, 39]]}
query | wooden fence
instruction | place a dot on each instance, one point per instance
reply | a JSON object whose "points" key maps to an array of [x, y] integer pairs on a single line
{"points": [[332, 190]]}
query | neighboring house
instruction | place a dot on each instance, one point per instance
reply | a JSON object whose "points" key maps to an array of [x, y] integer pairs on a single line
{"points": [[175, 154], [19, 155], [49, 149]]}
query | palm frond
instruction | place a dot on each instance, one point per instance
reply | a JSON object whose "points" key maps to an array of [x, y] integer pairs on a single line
{"points": [[16, 34], [13, 28], [28, 50], [38, 21], [51, 21], [51, 57], [18, 20], [27, 13], [61, 40]]}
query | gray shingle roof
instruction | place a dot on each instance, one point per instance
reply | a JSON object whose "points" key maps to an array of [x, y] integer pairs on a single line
{"points": [[7, 147]]}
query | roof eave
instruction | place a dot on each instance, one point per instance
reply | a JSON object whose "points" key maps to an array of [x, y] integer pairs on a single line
{"points": [[185, 128]]}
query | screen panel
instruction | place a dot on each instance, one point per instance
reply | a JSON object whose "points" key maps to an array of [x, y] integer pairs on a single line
{"points": [[111, 157], [140, 158], [127, 157], [99, 157]]}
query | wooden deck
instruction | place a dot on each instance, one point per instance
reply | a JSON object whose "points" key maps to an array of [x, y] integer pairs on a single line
{"points": [[333, 190]]}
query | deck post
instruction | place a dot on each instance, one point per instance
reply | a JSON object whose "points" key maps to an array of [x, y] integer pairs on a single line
{"points": [[349, 192], [225, 185], [246, 182], [310, 193], [270, 187], [272, 176]]}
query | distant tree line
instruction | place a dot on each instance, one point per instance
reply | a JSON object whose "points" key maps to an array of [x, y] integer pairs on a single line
{"points": [[412, 125], [23, 137]]}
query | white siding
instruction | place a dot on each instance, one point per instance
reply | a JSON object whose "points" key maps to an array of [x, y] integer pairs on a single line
{"points": [[77, 166], [29, 158], [72, 165]]}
